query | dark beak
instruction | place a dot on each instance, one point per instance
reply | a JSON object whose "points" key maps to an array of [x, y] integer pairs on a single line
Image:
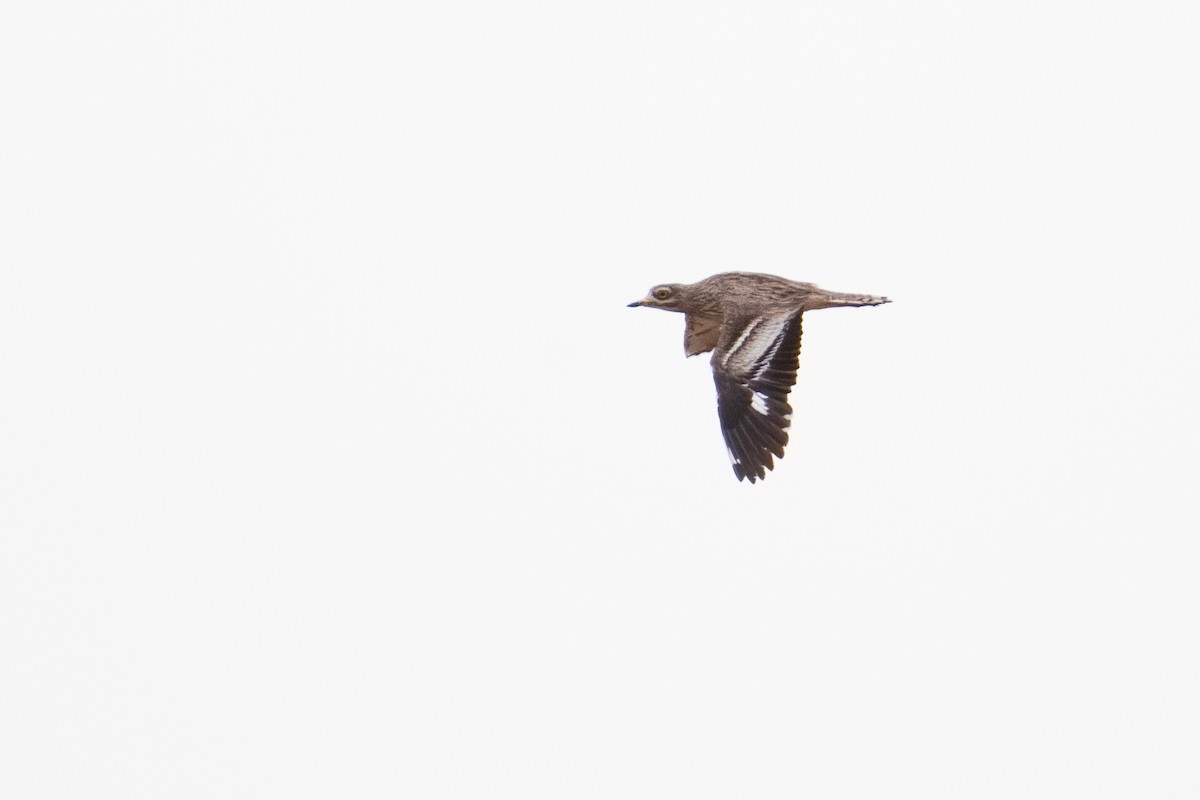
{"points": [[634, 304]]}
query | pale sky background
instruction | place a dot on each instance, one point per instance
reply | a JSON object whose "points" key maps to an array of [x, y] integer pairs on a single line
{"points": [[332, 464]]}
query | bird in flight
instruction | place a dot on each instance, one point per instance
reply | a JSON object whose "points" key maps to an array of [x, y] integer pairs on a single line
{"points": [[751, 322]]}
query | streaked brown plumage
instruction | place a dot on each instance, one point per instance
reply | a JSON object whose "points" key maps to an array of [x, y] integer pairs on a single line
{"points": [[752, 322]]}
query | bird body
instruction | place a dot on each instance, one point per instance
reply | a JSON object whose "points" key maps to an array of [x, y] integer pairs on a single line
{"points": [[752, 323]]}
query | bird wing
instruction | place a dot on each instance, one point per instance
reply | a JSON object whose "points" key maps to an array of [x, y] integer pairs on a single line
{"points": [[754, 367], [701, 334]]}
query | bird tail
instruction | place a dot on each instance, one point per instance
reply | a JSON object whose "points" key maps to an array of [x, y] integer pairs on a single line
{"points": [[825, 299]]}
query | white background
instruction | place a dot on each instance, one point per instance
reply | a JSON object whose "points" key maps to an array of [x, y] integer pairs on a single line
{"points": [[333, 465]]}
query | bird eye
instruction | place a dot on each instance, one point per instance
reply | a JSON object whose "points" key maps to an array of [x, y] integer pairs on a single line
{"points": [[662, 294]]}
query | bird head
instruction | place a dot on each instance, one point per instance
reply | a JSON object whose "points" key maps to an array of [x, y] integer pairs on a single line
{"points": [[667, 296]]}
